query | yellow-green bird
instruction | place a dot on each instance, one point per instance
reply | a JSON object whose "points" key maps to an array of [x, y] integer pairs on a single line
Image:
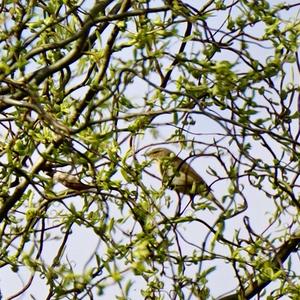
{"points": [[71, 181], [180, 176]]}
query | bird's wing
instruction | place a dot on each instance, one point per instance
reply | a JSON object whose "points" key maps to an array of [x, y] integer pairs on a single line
{"points": [[185, 168]]}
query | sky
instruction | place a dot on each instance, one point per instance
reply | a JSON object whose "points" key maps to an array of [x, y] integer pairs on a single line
{"points": [[258, 209]]}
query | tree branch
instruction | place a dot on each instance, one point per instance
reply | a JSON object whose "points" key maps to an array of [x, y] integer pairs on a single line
{"points": [[259, 284]]}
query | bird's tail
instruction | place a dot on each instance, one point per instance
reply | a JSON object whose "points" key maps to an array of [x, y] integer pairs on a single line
{"points": [[212, 198]]}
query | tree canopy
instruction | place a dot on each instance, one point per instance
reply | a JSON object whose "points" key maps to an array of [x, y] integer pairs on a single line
{"points": [[87, 88]]}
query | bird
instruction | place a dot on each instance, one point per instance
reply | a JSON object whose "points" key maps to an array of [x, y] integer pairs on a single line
{"points": [[70, 181], [180, 176]]}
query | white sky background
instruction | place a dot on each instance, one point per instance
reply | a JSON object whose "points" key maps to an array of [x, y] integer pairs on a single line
{"points": [[221, 280]]}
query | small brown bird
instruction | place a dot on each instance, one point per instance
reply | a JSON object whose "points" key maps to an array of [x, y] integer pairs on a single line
{"points": [[70, 181], [180, 176]]}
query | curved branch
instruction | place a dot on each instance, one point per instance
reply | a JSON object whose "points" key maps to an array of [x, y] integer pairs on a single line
{"points": [[40, 75], [256, 286]]}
